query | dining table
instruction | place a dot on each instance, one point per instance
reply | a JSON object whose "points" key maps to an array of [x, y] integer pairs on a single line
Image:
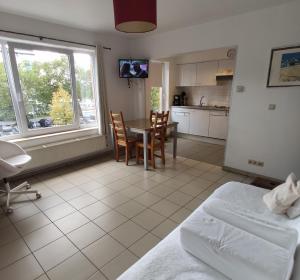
{"points": [[144, 127]]}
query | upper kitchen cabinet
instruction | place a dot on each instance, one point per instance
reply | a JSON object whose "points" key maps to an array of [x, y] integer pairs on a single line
{"points": [[186, 74], [206, 73], [226, 67]]}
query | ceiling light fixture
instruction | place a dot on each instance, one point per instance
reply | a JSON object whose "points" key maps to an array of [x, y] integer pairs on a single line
{"points": [[135, 16]]}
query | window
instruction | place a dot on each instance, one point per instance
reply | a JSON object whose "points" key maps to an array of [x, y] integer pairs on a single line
{"points": [[156, 98], [49, 90]]}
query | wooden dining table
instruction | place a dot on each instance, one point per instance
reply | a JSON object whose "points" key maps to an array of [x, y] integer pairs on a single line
{"points": [[143, 126]]}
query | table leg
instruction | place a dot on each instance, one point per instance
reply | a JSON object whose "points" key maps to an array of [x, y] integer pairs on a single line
{"points": [[145, 139], [112, 139], [175, 141]]}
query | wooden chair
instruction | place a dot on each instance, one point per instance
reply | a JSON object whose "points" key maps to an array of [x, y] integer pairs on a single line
{"points": [[120, 136], [157, 141], [164, 117]]}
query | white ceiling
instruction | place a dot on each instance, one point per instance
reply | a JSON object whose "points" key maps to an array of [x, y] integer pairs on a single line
{"points": [[97, 15]]}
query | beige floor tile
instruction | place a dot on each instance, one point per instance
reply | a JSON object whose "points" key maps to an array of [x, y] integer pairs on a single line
{"points": [[42, 237], [118, 185], [194, 204], [133, 179], [48, 202], [164, 228], [60, 187], [55, 252], [212, 176], [146, 184], [174, 184], [12, 252], [95, 210], [148, 199], [8, 234], [43, 277], [71, 222], [32, 223], [162, 190], [78, 267], [194, 188], [71, 193], [4, 221], [159, 178], [59, 211], [78, 179], [106, 179], [102, 192], [194, 172], [142, 246], [148, 219], [115, 200], [128, 233], [118, 265], [90, 186], [85, 235], [184, 178], [165, 207], [23, 212], [179, 198], [16, 270], [132, 191], [98, 276], [103, 250], [130, 208], [110, 220], [180, 215], [82, 201]]}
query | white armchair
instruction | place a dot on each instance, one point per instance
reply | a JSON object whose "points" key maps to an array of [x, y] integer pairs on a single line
{"points": [[12, 160]]}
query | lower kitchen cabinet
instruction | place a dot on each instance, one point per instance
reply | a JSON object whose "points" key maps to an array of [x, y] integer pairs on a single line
{"points": [[183, 119], [199, 122], [218, 124]]}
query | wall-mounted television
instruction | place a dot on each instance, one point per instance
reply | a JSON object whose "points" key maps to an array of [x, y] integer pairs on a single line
{"points": [[133, 68]]}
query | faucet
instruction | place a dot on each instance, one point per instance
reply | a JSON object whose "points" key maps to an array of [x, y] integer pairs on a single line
{"points": [[201, 103]]}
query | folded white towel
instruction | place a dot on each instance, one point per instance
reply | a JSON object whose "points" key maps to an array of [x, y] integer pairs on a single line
{"points": [[235, 252]]}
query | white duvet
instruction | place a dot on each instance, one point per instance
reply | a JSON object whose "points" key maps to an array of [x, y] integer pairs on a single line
{"points": [[168, 260], [238, 243]]}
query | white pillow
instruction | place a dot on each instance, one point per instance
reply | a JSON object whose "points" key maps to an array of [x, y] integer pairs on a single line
{"points": [[282, 197], [294, 210]]}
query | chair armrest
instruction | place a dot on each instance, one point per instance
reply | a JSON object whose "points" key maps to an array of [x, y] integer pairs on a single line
{"points": [[7, 169]]}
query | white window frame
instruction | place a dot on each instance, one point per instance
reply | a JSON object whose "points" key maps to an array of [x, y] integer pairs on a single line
{"points": [[10, 63]]}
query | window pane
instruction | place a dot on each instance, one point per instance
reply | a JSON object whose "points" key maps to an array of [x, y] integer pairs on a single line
{"points": [[155, 96], [8, 123], [84, 88], [46, 86]]}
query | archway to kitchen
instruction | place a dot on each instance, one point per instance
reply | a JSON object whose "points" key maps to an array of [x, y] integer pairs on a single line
{"points": [[198, 87]]}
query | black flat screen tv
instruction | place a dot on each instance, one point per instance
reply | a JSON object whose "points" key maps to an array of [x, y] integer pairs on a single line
{"points": [[133, 68]]}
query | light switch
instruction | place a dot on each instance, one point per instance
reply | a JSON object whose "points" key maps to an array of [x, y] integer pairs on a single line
{"points": [[272, 106], [240, 88]]}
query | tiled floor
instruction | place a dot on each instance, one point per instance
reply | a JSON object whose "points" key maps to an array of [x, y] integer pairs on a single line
{"points": [[98, 218], [198, 150]]}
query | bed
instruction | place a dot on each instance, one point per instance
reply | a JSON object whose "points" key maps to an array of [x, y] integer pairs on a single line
{"points": [[168, 260]]}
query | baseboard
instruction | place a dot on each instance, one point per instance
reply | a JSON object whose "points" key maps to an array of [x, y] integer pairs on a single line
{"points": [[64, 163], [202, 139], [250, 174]]}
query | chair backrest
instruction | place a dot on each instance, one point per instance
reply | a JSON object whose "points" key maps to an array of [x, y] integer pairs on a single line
{"points": [[119, 128], [159, 128], [166, 116]]}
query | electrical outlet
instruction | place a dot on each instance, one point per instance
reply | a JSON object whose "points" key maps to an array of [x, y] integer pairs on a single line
{"points": [[256, 163]]}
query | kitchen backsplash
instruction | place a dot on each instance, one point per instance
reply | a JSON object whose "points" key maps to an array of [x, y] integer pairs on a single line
{"points": [[214, 95]]}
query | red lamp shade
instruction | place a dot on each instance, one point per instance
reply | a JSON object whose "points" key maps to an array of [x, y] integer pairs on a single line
{"points": [[135, 16]]}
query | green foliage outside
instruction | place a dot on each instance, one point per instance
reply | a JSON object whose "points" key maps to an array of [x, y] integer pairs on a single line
{"points": [[6, 107], [155, 98], [61, 110], [39, 80]]}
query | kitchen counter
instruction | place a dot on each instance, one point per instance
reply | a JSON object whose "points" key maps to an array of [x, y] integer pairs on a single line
{"points": [[210, 108]]}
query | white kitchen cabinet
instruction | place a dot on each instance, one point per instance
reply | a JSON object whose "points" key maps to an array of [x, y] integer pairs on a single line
{"points": [[206, 73], [218, 124], [226, 67], [183, 119], [186, 74], [199, 122]]}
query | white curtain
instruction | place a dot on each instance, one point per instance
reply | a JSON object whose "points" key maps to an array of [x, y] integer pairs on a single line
{"points": [[103, 108]]}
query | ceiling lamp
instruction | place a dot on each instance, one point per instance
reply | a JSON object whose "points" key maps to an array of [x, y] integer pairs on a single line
{"points": [[135, 16]]}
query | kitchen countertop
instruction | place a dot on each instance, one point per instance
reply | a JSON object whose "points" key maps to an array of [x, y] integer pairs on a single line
{"points": [[211, 108]]}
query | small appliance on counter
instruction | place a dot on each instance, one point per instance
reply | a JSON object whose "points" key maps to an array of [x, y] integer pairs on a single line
{"points": [[180, 99]]}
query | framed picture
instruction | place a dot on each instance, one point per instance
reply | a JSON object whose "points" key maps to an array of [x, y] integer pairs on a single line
{"points": [[284, 69]]}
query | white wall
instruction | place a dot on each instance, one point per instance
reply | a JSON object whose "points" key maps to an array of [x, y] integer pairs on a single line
{"points": [[119, 95], [254, 132]]}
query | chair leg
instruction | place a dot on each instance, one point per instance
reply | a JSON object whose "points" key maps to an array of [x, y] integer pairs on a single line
{"points": [[152, 158], [137, 154], [126, 154], [117, 153], [163, 156]]}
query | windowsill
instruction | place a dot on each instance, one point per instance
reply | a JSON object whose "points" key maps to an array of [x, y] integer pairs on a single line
{"points": [[29, 143]]}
